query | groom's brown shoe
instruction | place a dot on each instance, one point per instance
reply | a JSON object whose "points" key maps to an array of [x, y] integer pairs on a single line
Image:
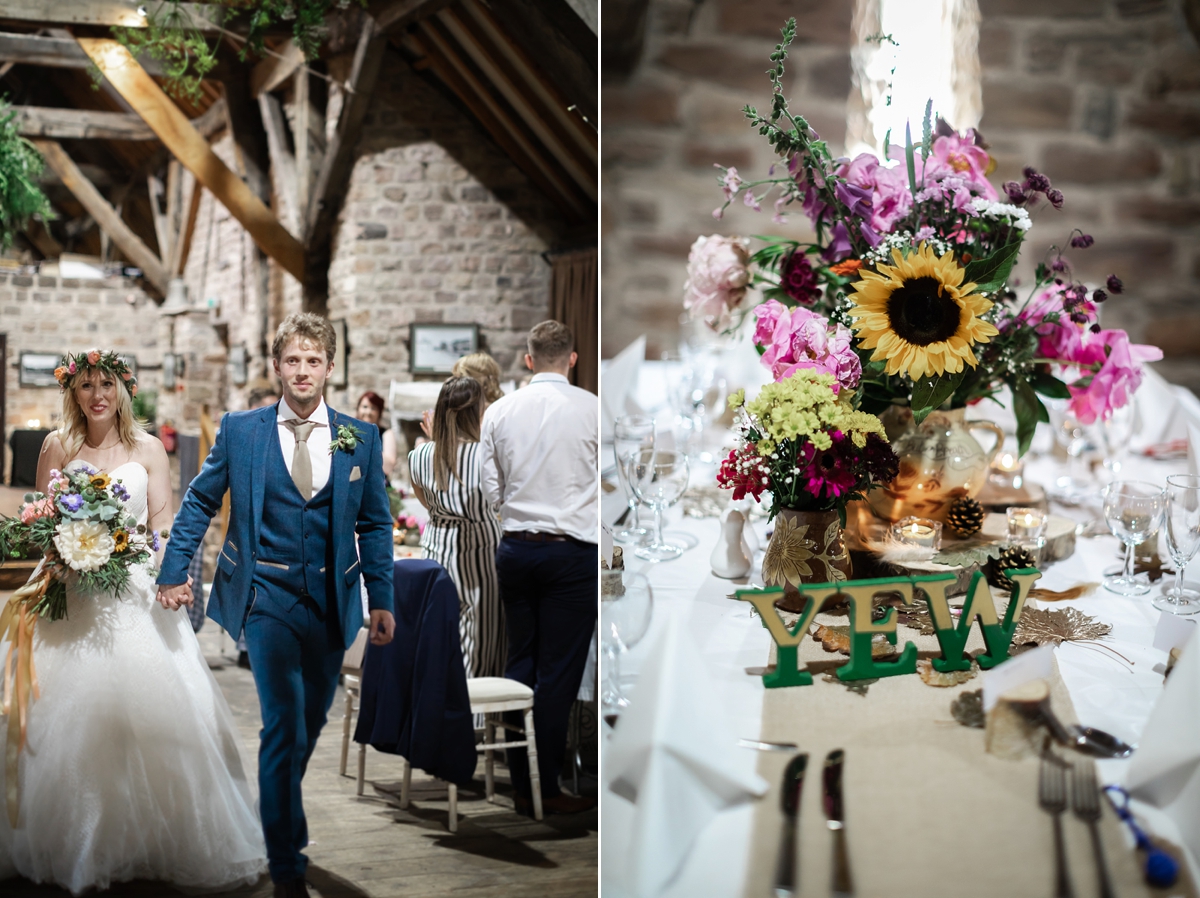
{"points": [[294, 888]]}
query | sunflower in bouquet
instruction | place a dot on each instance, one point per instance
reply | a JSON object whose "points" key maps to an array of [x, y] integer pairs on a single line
{"points": [[909, 272], [84, 534]]}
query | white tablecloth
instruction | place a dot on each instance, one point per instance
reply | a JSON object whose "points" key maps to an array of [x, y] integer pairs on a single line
{"points": [[1106, 692]]}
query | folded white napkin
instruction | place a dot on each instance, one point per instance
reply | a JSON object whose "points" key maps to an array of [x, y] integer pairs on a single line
{"points": [[618, 384], [1155, 403], [674, 755], [1165, 769]]}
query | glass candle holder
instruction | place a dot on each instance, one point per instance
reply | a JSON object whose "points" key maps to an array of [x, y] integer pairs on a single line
{"points": [[1007, 471], [921, 532], [1026, 526]]}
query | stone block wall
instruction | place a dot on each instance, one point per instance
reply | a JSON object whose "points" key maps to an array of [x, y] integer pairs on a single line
{"points": [[59, 315], [678, 113], [438, 227], [1104, 97]]}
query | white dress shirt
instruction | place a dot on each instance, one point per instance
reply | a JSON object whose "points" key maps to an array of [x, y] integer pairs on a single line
{"points": [[319, 439], [540, 449]]}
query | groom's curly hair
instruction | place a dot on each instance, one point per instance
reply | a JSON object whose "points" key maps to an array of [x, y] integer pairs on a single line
{"points": [[306, 326]]}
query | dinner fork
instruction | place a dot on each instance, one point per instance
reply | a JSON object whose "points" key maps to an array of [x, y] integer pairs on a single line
{"points": [[1052, 796], [1085, 800]]}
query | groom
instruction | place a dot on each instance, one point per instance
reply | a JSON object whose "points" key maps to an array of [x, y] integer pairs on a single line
{"points": [[288, 572]]}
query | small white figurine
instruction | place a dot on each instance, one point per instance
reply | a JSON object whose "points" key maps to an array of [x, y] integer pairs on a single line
{"points": [[729, 559], [750, 540]]}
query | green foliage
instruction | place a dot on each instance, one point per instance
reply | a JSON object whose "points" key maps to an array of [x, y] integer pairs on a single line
{"points": [[145, 406], [20, 165], [307, 18], [172, 37], [991, 273]]}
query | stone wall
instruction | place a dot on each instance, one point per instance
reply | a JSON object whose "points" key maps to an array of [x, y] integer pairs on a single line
{"points": [[59, 315], [1104, 97], [439, 227], [678, 113]]}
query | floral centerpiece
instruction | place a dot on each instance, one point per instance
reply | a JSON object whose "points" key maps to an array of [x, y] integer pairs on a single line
{"points": [[801, 440], [84, 534], [908, 282]]}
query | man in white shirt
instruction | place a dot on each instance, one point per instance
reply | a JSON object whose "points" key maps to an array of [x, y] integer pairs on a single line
{"points": [[539, 452]]}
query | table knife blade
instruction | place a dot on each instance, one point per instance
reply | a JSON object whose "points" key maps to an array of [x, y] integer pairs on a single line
{"points": [[831, 782], [793, 784]]}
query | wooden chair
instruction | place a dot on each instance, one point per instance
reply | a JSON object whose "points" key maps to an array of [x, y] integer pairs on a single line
{"points": [[488, 695], [352, 664]]}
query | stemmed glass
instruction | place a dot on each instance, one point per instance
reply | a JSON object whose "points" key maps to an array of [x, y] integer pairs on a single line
{"points": [[1076, 484], [626, 605], [659, 478], [1133, 512], [631, 433], [1183, 541], [698, 392], [1113, 435]]}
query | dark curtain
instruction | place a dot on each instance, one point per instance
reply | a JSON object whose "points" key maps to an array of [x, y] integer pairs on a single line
{"points": [[573, 301]]}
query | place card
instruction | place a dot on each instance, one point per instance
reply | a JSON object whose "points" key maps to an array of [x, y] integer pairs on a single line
{"points": [[1172, 632], [1036, 664]]}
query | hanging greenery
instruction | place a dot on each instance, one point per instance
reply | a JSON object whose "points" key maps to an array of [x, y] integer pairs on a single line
{"points": [[173, 36], [20, 165]]}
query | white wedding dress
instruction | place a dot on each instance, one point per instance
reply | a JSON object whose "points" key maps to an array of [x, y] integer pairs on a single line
{"points": [[133, 767]]}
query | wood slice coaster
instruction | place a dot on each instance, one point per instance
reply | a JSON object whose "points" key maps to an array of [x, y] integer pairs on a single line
{"points": [[1060, 535], [996, 498]]}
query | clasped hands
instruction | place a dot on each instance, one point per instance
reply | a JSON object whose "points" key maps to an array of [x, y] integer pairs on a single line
{"points": [[174, 597]]}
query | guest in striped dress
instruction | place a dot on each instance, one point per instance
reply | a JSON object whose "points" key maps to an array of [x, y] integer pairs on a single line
{"points": [[463, 531]]}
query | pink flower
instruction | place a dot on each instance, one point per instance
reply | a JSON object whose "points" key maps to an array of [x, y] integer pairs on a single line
{"points": [[1119, 376], [718, 275], [799, 338], [731, 182], [93, 357], [42, 508], [954, 155], [71, 368], [893, 199], [125, 375]]}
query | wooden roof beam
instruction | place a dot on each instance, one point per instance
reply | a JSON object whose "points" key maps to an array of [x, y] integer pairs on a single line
{"points": [[276, 68], [100, 12], [404, 12], [190, 148], [84, 124], [106, 216]]}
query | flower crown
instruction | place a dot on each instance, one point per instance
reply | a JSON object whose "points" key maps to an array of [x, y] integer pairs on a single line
{"points": [[95, 360]]}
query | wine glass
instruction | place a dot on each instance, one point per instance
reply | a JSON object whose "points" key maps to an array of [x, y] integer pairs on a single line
{"points": [[1183, 541], [630, 434], [626, 605], [698, 390], [1076, 484], [1133, 512], [1112, 435], [659, 478]]}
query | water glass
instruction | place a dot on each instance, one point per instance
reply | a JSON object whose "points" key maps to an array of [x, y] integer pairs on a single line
{"points": [[1112, 436], [1133, 512], [1183, 541], [626, 606], [1076, 485], [659, 479], [698, 393], [631, 433]]}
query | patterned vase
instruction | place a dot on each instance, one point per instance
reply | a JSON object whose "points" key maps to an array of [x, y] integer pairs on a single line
{"points": [[805, 547], [940, 462]]}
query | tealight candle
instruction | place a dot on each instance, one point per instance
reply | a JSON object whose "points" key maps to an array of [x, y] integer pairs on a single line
{"points": [[918, 532], [1026, 526], [1006, 470]]}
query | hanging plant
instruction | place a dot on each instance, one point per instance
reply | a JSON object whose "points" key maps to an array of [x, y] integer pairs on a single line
{"points": [[20, 165]]}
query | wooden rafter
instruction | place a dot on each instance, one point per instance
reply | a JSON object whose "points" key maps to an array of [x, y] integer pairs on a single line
{"points": [[405, 12], [281, 157], [339, 154], [100, 12], [39, 235], [276, 68], [190, 148], [84, 124], [183, 246], [106, 216]]}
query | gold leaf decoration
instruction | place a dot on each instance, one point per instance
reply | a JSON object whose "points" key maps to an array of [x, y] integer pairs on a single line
{"points": [[917, 618], [931, 677], [837, 639], [788, 553], [1044, 626]]}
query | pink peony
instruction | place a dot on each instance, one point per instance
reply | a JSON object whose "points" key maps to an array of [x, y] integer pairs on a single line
{"points": [[798, 338], [43, 508], [718, 275], [958, 156]]}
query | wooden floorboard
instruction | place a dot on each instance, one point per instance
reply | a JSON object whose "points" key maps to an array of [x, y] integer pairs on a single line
{"points": [[369, 847]]}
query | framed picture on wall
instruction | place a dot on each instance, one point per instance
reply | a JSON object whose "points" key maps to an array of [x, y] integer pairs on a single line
{"points": [[436, 347], [37, 369], [341, 374]]}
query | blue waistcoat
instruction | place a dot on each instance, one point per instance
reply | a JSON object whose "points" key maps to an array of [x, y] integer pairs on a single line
{"points": [[295, 554]]}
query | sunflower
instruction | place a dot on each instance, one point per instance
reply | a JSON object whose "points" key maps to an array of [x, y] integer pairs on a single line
{"points": [[919, 316], [120, 541], [788, 552], [100, 481]]}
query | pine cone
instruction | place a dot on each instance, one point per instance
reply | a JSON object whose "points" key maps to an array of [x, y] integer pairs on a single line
{"points": [[965, 517], [1012, 558]]}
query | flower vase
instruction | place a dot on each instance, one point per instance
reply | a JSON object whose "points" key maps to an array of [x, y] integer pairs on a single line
{"points": [[940, 463], [805, 547]]}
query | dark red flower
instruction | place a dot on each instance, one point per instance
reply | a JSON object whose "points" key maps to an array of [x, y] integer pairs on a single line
{"points": [[1083, 241], [745, 473], [798, 279], [1114, 284]]}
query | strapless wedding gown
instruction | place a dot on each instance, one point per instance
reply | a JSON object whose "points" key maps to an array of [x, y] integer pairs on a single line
{"points": [[133, 767]]}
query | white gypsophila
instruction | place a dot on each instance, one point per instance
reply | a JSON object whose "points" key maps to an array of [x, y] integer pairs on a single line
{"points": [[1018, 217], [902, 240], [84, 545]]}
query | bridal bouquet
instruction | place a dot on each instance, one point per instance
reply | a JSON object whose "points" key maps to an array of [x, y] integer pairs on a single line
{"points": [[801, 440], [904, 295], [84, 534]]}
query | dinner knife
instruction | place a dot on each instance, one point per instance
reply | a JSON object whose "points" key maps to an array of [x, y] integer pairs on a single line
{"points": [[785, 870], [836, 821]]}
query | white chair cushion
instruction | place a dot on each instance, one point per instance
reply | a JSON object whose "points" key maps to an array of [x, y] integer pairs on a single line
{"points": [[497, 689]]}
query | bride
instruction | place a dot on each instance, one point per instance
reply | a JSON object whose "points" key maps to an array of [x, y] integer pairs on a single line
{"points": [[132, 766]]}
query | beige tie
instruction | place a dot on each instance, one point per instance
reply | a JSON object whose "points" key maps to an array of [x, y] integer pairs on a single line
{"points": [[301, 460]]}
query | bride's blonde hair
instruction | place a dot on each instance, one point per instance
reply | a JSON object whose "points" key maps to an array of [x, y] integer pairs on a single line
{"points": [[73, 429]]}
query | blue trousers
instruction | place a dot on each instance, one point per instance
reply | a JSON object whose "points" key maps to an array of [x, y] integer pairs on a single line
{"points": [[550, 593], [296, 655]]}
